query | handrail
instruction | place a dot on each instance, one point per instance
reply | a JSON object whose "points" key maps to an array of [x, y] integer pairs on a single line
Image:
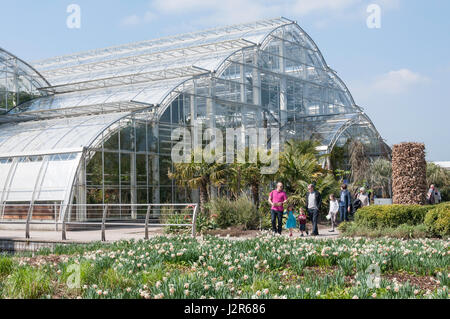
{"points": [[147, 215], [105, 210], [103, 221]]}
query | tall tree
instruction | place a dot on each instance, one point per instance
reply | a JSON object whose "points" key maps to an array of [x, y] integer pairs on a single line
{"points": [[198, 175], [380, 176], [440, 177], [359, 162], [240, 176], [299, 166]]}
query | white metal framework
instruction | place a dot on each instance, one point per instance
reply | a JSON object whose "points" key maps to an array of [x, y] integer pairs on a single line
{"points": [[19, 82], [101, 131]]}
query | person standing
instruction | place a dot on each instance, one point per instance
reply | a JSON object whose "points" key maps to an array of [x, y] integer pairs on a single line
{"points": [[291, 223], [433, 195], [363, 197], [302, 221], [313, 203], [277, 198], [345, 203], [334, 208]]}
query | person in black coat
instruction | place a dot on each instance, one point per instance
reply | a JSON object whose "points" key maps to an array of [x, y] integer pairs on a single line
{"points": [[345, 203], [313, 204]]}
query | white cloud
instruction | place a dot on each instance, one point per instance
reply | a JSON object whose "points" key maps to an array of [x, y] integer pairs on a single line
{"points": [[131, 20], [135, 19], [213, 12], [399, 81], [388, 4], [216, 12], [304, 7], [300, 7], [191, 15], [149, 16], [176, 6]]}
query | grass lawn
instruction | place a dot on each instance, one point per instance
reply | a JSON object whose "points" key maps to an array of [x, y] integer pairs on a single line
{"points": [[212, 267]]}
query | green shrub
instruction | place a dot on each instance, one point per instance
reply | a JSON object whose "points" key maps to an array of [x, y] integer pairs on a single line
{"points": [[404, 231], [224, 212], [238, 212], [344, 227], [437, 220], [391, 215], [264, 213], [204, 222], [248, 216]]}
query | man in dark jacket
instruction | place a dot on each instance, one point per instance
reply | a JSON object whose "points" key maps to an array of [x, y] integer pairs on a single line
{"points": [[313, 203], [345, 203]]}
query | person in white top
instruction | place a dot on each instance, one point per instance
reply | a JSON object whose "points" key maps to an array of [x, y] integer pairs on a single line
{"points": [[363, 197], [334, 208]]}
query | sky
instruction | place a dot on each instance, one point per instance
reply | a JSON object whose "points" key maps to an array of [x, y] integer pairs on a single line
{"points": [[398, 73]]}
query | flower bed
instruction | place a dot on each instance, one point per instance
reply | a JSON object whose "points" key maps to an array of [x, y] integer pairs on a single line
{"points": [[212, 267]]}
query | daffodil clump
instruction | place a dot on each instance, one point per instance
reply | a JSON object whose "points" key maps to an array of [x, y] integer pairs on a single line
{"points": [[213, 267]]}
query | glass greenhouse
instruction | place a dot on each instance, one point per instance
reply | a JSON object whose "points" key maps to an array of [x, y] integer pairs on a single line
{"points": [[19, 82], [95, 127]]}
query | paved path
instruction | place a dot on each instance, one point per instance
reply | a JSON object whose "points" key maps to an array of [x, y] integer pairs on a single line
{"points": [[125, 233], [84, 236]]}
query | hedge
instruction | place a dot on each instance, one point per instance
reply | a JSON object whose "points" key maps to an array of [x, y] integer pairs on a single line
{"points": [[238, 212], [437, 220], [391, 215]]}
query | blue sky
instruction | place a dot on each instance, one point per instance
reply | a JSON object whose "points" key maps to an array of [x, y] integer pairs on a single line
{"points": [[399, 73]]}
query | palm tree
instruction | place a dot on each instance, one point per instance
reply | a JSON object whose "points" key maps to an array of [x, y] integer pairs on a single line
{"points": [[440, 177], [198, 176], [232, 179], [437, 175], [300, 147], [359, 162], [381, 176], [253, 177], [299, 166], [240, 176], [337, 160]]}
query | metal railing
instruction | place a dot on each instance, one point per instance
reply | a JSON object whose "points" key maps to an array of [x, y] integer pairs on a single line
{"points": [[86, 216]]}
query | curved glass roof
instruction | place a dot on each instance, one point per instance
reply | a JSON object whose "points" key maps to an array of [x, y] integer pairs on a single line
{"points": [[53, 135], [271, 67], [142, 72], [11, 64], [19, 81], [254, 31]]}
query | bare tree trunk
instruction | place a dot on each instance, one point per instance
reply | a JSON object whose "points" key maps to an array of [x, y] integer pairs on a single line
{"points": [[203, 189], [238, 184], [255, 194]]}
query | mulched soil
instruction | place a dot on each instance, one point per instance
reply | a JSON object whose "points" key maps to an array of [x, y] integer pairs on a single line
{"points": [[423, 282], [238, 231], [234, 231], [61, 291]]}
